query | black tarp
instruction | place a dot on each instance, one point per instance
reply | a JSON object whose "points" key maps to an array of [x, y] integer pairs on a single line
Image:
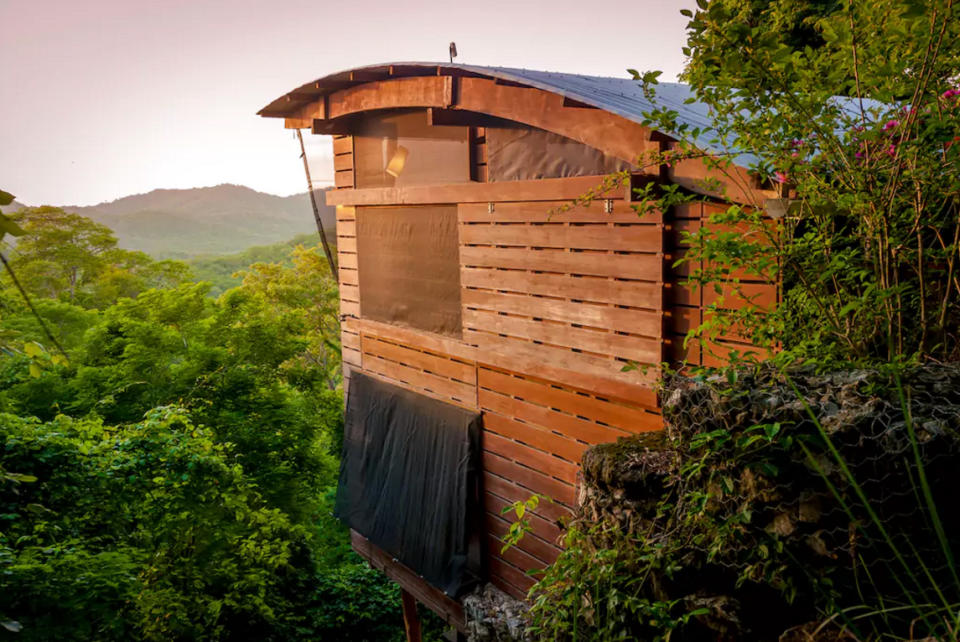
{"points": [[409, 480], [526, 153]]}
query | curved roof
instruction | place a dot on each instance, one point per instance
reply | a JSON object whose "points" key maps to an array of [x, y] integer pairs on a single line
{"points": [[621, 96]]}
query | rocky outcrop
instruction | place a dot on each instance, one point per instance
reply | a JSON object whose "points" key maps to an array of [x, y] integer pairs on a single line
{"points": [[493, 616]]}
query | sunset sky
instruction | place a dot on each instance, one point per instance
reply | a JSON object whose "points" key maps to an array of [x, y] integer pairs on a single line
{"points": [[105, 98]]}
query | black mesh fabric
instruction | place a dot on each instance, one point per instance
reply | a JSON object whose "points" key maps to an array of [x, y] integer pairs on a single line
{"points": [[409, 480]]}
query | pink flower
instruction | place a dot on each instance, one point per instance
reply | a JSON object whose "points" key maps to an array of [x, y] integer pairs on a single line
{"points": [[891, 150], [780, 177], [890, 124], [950, 93], [858, 155]]}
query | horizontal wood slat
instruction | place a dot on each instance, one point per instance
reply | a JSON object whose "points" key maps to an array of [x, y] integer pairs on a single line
{"points": [[530, 457], [516, 556], [349, 292], [526, 477], [342, 162], [544, 528], [437, 343], [342, 145], [566, 367], [532, 435], [554, 212], [641, 322], [640, 294], [347, 227], [349, 276], [509, 578], [436, 364], [551, 512], [564, 402], [498, 526], [639, 349], [584, 431], [403, 365], [346, 213], [635, 238], [341, 180], [347, 260], [542, 189], [627, 266]]}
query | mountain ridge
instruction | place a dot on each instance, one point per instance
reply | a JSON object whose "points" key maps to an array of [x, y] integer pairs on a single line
{"points": [[221, 219]]}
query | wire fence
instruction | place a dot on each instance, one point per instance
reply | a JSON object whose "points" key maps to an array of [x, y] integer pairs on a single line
{"points": [[790, 498]]}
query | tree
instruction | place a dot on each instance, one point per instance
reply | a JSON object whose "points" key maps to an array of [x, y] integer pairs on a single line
{"points": [[68, 256], [715, 45], [867, 254]]}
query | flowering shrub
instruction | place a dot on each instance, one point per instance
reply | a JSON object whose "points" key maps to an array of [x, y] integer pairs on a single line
{"points": [[856, 141]]}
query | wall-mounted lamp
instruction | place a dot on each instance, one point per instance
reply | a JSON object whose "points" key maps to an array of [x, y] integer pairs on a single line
{"points": [[395, 166]]}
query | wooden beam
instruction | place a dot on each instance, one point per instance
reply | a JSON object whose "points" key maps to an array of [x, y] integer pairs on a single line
{"points": [[485, 98], [411, 619], [608, 132], [343, 126], [544, 189], [304, 117], [463, 118], [396, 93], [570, 102], [433, 598]]}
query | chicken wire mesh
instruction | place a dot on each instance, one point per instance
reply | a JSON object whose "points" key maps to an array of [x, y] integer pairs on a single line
{"points": [[779, 499]]}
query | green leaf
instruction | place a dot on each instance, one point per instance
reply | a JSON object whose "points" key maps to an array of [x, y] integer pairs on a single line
{"points": [[33, 349], [6, 197], [20, 477], [35, 371], [7, 226]]}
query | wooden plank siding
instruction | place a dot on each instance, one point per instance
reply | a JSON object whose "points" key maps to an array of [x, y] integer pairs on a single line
{"points": [[349, 291], [687, 306], [541, 288], [343, 175], [567, 312], [534, 433]]}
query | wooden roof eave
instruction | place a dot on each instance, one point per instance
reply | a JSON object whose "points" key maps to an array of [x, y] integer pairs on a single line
{"points": [[332, 110]]}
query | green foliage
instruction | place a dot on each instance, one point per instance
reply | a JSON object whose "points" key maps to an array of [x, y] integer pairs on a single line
{"points": [[173, 480], [863, 235], [225, 271], [779, 509], [69, 257], [148, 527]]}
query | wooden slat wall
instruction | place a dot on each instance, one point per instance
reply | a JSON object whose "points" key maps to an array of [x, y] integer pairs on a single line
{"points": [[534, 433], [686, 306], [427, 372], [343, 162], [349, 289], [579, 292]]}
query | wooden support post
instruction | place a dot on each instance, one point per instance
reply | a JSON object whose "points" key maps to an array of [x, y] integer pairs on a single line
{"points": [[411, 619]]}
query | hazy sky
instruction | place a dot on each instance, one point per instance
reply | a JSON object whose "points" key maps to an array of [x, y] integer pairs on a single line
{"points": [[105, 98]]}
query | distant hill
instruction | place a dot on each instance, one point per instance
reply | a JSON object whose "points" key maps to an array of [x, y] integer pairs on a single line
{"points": [[182, 223]]}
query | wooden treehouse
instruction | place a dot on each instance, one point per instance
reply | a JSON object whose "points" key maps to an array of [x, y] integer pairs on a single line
{"points": [[466, 293]]}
